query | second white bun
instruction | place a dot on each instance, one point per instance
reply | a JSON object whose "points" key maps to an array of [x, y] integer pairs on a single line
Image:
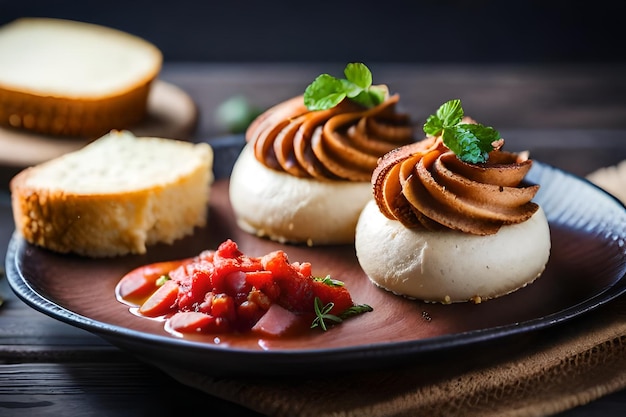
{"points": [[286, 208], [449, 266]]}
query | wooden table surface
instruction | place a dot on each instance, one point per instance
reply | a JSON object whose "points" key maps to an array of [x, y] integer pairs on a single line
{"points": [[570, 117]]}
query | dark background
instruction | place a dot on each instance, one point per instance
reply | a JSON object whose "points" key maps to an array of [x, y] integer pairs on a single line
{"points": [[428, 31]]}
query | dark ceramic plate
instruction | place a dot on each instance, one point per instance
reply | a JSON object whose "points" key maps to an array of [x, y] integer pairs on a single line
{"points": [[587, 268]]}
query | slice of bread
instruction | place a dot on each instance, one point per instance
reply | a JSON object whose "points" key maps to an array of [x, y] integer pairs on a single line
{"points": [[612, 179], [114, 196], [69, 78]]}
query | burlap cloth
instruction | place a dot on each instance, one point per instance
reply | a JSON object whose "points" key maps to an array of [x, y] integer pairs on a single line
{"points": [[536, 374]]}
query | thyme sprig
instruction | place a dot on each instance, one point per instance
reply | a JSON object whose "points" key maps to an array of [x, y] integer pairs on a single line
{"points": [[329, 281], [323, 318], [322, 314]]}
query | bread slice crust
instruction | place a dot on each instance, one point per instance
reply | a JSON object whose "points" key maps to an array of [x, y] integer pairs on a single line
{"points": [[111, 220], [60, 116], [69, 78]]}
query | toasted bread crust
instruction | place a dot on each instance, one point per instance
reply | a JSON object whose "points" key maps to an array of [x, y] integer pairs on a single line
{"points": [[61, 116], [97, 82], [110, 223]]}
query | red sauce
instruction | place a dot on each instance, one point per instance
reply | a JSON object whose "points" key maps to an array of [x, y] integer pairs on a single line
{"points": [[227, 292]]}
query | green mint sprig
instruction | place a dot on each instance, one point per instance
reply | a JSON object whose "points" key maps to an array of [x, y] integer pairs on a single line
{"points": [[326, 91], [470, 142]]}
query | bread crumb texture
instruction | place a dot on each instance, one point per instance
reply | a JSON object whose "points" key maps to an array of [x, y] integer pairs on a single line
{"points": [[63, 77], [115, 196]]}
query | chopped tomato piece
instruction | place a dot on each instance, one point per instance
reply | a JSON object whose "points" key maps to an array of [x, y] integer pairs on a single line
{"points": [[227, 291], [278, 264], [260, 279], [303, 268], [296, 293], [162, 301], [226, 266], [338, 295], [228, 249], [193, 289]]}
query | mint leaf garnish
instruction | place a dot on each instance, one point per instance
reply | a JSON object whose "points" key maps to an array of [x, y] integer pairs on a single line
{"points": [[326, 91], [470, 142], [358, 74]]}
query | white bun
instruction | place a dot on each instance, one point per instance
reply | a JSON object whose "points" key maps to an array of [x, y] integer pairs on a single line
{"points": [[285, 208], [449, 266]]}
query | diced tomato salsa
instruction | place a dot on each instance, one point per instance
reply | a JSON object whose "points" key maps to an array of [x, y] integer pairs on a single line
{"points": [[225, 291]]}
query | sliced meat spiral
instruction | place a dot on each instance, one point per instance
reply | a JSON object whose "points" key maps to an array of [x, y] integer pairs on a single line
{"points": [[341, 143]]}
